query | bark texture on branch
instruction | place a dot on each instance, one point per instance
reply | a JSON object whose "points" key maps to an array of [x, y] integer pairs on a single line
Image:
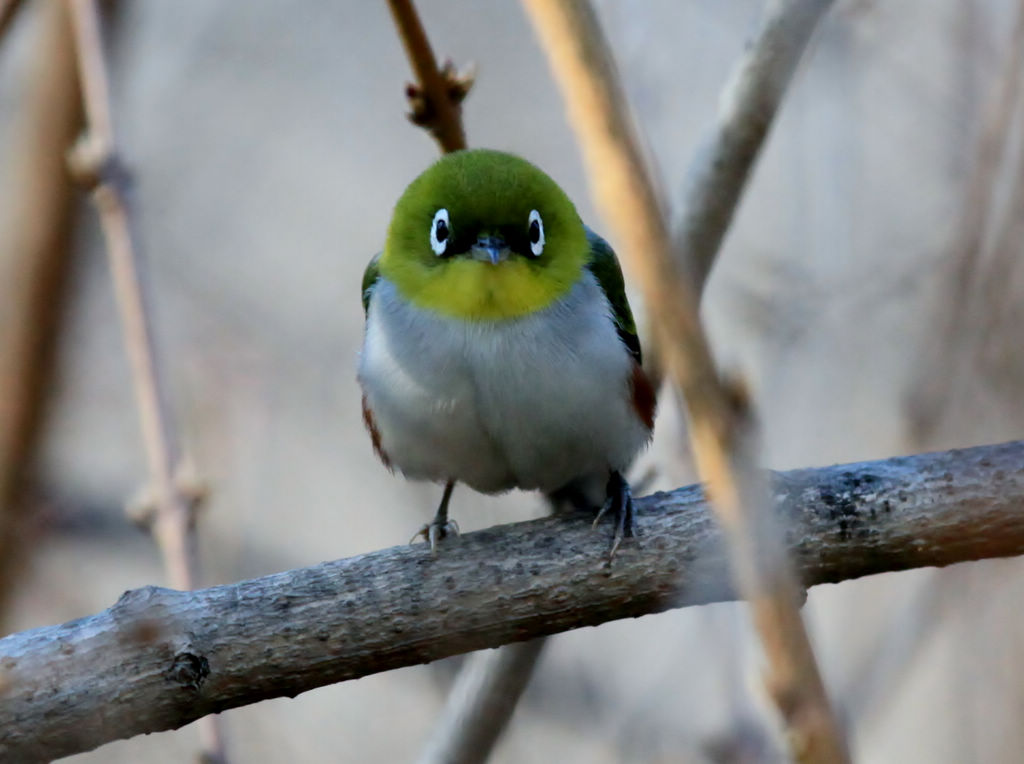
{"points": [[159, 659]]}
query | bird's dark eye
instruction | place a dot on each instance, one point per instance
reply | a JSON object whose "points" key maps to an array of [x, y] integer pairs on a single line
{"points": [[536, 233], [440, 231]]}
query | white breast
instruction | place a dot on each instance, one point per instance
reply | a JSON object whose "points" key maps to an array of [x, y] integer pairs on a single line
{"points": [[533, 402]]}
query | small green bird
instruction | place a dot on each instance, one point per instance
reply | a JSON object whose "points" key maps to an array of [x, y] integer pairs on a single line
{"points": [[500, 350]]}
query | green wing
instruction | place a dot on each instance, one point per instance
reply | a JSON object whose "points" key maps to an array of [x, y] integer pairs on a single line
{"points": [[370, 276], [605, 266]]}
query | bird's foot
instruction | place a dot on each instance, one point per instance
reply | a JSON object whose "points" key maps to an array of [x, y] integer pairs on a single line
{"points": [[434, 531], [440, 526], [620, 504]]}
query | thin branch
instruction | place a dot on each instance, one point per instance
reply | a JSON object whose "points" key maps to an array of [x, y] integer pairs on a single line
{"points": [[96, 163], [489, 686], [746, 111], [436, 101], [481, 702], [34, 264], [721, 426], [159, 659]]}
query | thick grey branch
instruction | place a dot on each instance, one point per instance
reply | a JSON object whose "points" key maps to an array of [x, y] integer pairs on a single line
{"points": [[745, 112], [159, 658]]}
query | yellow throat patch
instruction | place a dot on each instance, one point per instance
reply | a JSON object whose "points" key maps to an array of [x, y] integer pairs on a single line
{"points": [[482, 291]]}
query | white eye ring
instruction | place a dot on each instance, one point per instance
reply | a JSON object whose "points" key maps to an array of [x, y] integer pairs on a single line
{"points": [[536, 246], [440, 232]]}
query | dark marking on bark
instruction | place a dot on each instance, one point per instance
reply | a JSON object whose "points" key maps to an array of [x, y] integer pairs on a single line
{"points": [[188, 671]]}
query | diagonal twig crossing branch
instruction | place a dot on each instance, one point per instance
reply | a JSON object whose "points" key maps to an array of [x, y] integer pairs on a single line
{"points": [[720, 420]]}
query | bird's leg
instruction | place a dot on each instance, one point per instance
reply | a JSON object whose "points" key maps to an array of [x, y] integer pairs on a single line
{"points": [[619, 502], [440, 526]]}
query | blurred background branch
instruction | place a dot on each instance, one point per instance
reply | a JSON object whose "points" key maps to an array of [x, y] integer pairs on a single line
{"points": [[481, 702], [746, 111], [96, 163], [721, 424], [181, 655], [35, 257]]}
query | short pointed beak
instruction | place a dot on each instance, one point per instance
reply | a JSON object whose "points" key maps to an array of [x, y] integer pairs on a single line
{"points": [[490, 248]]}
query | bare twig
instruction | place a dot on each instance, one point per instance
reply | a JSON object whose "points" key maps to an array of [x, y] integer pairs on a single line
{"points": [[746, 111], [96, 163], [489, 685], [721, 427], [159, 658], [436, 101], [34, 264], [481, 703]]}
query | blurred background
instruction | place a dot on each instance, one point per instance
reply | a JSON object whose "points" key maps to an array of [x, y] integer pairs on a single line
{"points": [[870, 290]]}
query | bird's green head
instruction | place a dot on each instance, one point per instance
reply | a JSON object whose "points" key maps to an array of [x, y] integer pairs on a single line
{"points": [[484, 235]]}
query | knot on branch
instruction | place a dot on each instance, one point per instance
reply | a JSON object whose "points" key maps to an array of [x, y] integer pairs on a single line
{"points": [[188, 671], [422, 111], [189, 489], [93, 162]]}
